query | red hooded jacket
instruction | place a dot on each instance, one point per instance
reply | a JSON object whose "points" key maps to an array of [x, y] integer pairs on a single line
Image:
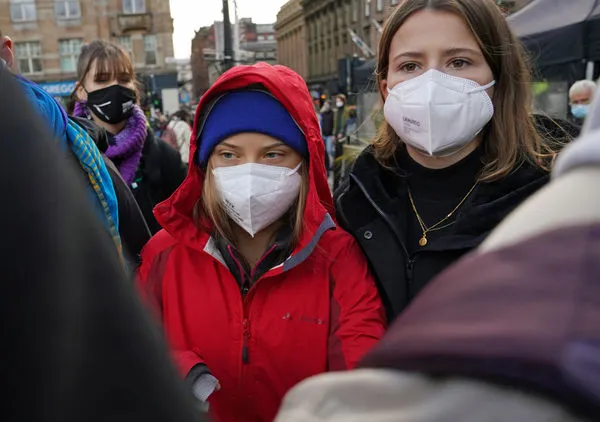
{"points": [[318, 311]]}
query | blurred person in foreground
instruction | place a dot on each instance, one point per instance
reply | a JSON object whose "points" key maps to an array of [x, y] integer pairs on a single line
{"points": [[581, 95], [76, 344], [85, 144], [511, 333], [107, 95]]}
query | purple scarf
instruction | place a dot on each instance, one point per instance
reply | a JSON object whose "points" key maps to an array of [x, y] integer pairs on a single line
{"points": [[126, 149]]}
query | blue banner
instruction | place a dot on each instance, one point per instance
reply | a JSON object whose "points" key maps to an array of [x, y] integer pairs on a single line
{"points": [[59, 89]]}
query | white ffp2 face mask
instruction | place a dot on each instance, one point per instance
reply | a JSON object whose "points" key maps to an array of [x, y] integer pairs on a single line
{"points": [[437, 113], [256, 195]]}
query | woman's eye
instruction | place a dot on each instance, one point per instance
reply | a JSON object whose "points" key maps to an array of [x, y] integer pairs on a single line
{"points": [[409, 67], [227, 155], [273, 155], [458, 63]]}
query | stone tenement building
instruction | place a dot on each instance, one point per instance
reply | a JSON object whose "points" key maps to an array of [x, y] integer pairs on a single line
{"points": [[48, 37], [313, 35], [291, 37], [203, 40], [326, 37]]}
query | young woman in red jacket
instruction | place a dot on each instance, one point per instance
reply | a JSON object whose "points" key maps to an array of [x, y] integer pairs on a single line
{"points": [[256, 287]]}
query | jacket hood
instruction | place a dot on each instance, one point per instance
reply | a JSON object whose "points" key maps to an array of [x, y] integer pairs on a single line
{"points": [[176, 214]]}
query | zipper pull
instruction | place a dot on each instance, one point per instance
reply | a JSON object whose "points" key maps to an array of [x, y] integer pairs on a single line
{"points": [[245, 285], [245, 354], [409, 271]]}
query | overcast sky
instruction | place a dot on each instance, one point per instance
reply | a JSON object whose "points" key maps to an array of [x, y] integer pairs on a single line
{"points": [[189, 15]]}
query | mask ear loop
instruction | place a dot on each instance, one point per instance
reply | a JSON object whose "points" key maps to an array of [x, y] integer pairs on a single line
{"points": [[294, 170], [482, 88]]}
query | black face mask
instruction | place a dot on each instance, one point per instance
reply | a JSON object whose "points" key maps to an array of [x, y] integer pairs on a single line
{"points": [[112, 104]]}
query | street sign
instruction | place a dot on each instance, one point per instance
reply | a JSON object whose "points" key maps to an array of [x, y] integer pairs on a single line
{"points": [[59, 89]]}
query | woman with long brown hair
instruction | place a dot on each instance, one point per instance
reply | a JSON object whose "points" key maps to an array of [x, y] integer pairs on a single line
{"points": [[460, 148], [107, 94]]}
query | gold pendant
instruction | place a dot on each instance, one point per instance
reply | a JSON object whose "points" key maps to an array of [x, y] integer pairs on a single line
{"points": [[423, 241]]}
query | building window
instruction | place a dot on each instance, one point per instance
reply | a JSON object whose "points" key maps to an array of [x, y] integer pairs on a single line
{"points": [[354, 10], [69, 54], [22, 10], [271, 37], [127, 45], [367, 8], [150, 50], [134, 7], [29, 55], [67, 9], [380, 5], [394, 2]]}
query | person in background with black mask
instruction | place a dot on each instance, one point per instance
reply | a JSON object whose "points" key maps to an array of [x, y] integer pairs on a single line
{"points": [[106, 93], [113, 199], [76, 343]]}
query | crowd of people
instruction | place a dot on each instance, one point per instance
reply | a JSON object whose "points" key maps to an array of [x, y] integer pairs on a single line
{"points": [[449, 278]]}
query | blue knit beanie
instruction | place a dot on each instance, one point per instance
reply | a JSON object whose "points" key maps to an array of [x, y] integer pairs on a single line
{"points": [[248, 111]]}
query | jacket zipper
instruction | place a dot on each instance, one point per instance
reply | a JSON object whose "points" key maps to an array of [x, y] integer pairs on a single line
{"points": [[246, 326], [245, 288], [410, 266]]}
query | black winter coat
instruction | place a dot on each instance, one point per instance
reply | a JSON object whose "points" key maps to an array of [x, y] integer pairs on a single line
{"points": [[133, 229], [159, 174], [364, 208], [327, 123]]}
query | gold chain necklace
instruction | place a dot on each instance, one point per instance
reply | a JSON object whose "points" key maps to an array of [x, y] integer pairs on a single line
{"points": [[436, 226]]}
